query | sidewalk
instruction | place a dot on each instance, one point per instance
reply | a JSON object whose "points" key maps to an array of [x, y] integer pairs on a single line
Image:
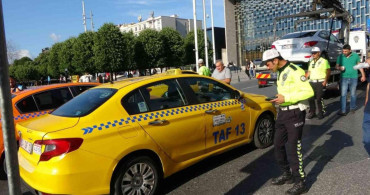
{"points": [[239, 76], [351, 178]]}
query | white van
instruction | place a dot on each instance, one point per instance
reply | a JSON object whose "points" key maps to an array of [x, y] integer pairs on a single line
{"points": [[360, 43]]}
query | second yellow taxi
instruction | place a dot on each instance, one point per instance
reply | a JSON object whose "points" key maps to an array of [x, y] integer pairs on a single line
{"points": [[123, 138]]}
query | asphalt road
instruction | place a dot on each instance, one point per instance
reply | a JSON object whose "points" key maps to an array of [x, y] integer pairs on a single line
{"points": [[334, 158]]}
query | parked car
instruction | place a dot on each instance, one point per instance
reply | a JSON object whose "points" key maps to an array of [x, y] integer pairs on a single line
{"points": [[38, 101], [257, 63], [296, 47], [123, 138]]}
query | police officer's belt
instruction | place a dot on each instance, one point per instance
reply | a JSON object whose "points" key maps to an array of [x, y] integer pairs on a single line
{"points": [[291, 107], [317, 80]]}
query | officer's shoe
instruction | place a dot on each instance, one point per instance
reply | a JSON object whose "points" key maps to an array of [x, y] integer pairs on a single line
{"points": [[311, 115], [285, 178], [298, 188], [320, 115]]}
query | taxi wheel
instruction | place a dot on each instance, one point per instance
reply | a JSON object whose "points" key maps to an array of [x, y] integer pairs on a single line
{"points": [[264, 131], [3, 175], [139, 175]]}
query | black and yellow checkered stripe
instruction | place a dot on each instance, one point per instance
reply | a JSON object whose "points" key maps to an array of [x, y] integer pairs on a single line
{"points": [[157, 114]]}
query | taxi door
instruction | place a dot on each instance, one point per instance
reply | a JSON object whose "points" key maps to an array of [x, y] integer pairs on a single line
{"points": [[164, 113], [225, 118]]}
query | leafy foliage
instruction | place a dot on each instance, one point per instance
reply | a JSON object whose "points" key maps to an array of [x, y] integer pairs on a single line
{"points": [[173, 45], [149, 49], [189, 57], [66, 56], [83, 54], [109, 49]]}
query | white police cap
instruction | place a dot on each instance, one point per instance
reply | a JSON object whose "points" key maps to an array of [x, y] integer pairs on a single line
{"points": [[269, 55], [315, 49]]}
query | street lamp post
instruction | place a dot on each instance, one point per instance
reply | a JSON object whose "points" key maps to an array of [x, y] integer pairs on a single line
{"points": [[195, 35], [213, 35], [205, 33]]}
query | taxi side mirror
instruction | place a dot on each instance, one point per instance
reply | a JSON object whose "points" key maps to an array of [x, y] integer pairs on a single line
{"points": [[237, 94]]}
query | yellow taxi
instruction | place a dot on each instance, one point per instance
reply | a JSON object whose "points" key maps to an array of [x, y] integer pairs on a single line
{"points": [[123, 138]]}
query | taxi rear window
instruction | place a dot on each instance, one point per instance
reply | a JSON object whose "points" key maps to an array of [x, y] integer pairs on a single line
{"points": [[85, 103]]}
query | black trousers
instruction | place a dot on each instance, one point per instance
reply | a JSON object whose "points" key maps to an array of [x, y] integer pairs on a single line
{"points": [[287, 141], [247, 72], [317, 89]]}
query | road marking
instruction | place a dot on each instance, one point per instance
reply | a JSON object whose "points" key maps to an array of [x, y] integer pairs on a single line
{"points": [[249, 87]]}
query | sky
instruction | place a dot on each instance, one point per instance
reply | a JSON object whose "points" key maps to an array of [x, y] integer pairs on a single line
{"points": [[31, 25]]}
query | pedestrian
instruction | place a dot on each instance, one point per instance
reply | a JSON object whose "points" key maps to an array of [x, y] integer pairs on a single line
{"points": [[348, 78], [366, 121], [221, 72], [251, 69], [318, 74], [203, 70], [14, 87], [48, 80], [293, 89], [247, 67], [41, 80]]}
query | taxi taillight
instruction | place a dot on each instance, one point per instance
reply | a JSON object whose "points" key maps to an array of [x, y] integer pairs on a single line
{"points": [[57, 147]]}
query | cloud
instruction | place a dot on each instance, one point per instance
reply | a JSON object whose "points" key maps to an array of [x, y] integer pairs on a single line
{"points": [[18, 54], [23, 53], [55, 37]]}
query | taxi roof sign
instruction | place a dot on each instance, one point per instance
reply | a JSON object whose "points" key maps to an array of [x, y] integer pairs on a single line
{"points": [[176, 71]]}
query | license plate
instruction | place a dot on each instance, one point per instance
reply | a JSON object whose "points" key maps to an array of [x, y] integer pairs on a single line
{"points": [[271, 82], [288, 46], [26, 145], [37, 149]]}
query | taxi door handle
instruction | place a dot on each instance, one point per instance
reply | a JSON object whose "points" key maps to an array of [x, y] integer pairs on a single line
{"points": [[157, 122], [211, 111]]}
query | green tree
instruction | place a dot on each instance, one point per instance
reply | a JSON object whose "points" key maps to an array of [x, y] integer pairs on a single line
{"points": [[42, 63], [149, 49], [129, 40], [22, 61], [109, 49], [66, 55], [24, 73], [83, 54], [54, 60], [189, 57], [173, 45]]}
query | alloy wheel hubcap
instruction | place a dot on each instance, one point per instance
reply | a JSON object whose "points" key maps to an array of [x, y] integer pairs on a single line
{"points": [[138, 179], [265, 131]]}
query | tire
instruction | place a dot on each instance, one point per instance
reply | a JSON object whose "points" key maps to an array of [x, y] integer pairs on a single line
{"points": [[142, 177], [264, 131], [3, 174]]}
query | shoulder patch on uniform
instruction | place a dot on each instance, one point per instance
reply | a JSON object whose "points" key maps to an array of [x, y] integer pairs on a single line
{"points": [[303, 78], [293, 67]]}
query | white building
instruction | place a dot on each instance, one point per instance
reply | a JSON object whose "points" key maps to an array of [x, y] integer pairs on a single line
{"points": [[183, 26]]}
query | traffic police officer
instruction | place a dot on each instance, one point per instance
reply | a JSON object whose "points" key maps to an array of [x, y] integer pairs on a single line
{"points": [[293, 89], [318, 74]]}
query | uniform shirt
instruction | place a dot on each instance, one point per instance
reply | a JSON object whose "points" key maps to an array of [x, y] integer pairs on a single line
{"points": [[318, 69], [224, 74], [203, 70], [348, 62], [293, 85]]}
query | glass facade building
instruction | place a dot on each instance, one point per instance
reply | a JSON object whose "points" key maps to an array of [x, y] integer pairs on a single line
{"points": [[254, 20]]}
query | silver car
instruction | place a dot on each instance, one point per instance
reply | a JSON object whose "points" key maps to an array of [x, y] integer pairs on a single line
{"points": [[296, 47], [259, 67]]}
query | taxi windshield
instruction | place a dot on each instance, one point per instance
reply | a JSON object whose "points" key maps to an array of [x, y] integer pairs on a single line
{"points": [[85, 103]]}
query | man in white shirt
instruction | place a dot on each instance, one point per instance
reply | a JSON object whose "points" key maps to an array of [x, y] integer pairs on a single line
{"points": [[221, 72]]}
